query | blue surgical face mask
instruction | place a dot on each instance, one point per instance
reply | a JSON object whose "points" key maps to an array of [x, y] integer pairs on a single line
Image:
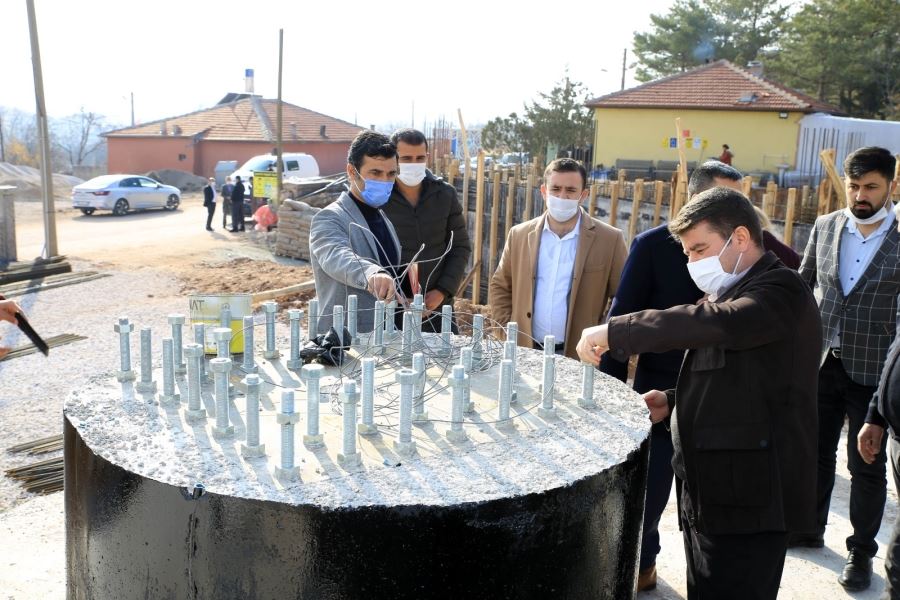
{"points": [[377, 192]]}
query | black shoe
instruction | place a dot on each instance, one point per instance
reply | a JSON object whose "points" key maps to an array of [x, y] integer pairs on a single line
{"points": [[233, 230], [857, 573], [801, 540], [209, 228]]}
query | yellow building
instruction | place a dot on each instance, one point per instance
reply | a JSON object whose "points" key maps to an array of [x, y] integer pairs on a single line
{"points": [[718, 103]]}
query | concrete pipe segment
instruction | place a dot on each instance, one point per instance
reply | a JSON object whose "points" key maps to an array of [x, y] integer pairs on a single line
{"points": [[524, 507]]}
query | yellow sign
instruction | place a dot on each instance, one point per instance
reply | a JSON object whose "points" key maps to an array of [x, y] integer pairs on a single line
{"points": [[265, 184]]}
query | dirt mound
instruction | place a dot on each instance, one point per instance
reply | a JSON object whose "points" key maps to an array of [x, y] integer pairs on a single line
{"points": [[184, 181], [247, 276], [28, 182]]}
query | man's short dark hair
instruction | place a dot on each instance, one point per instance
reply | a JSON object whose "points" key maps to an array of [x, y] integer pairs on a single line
{"points": [[567, 165], [705, 175], [868, 159], [370, 143], [413, 137], [723, 209]]}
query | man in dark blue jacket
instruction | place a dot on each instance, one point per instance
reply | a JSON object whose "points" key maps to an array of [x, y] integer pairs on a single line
{"points": [[656, 277]]}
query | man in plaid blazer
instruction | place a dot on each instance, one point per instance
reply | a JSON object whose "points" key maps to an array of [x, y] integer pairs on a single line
{"points": [[852, 261]]}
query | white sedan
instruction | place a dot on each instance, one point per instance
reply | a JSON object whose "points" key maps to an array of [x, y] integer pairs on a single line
{"points": [[121, 193]]}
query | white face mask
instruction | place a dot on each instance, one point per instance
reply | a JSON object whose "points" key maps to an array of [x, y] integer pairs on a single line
{"points": [[561, 209], [411, 174], [877, 217], [710, 277]]}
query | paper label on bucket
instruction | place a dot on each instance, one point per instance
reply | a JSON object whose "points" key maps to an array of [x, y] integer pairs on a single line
{"points": [[210, 309]]}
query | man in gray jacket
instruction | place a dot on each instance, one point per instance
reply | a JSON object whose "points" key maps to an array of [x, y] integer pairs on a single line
{"points": [[429, 222], [353, 246]]}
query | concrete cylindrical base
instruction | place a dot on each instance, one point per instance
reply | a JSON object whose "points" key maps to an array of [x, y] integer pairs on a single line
{"points": [[132, 536]]}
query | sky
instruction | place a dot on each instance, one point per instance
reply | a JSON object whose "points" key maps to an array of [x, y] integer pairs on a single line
{"points": [[391, 64]]}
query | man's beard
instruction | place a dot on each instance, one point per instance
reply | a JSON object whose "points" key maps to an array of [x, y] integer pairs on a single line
{"points": [[864, 210]]}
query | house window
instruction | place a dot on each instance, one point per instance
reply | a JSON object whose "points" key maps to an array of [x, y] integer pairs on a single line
{"points": [[182, 157]]}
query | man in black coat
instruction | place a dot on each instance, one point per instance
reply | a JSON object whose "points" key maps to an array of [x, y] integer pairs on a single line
{"points": [[884, 412], [237, 205], [743, 412], [209, 201], [427, 216]]}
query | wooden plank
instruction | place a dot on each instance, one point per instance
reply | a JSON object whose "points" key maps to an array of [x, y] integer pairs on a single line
{"points": [[512, 183], [592, 199], [637, 198], [746, 185], [467, 175], [461, 290], [285, 291], [680, 197], [827, 155], [495, 222], [479, 225], [658, 193], [772, 193], [529, 198], [790, 211], [614, 203]]}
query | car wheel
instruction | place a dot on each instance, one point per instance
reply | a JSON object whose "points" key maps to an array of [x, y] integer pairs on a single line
{"points": [[88, 211], [121, 207], [172, 202]]}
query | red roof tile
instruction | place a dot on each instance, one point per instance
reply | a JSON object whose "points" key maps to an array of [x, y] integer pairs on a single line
{"points": [[241, 121], [719, 85]]}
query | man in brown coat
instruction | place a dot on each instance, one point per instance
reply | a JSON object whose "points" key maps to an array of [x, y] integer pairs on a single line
{"points": [[558, 271], [743, 412]]}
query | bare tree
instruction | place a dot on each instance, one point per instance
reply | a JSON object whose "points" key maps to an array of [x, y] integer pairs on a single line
{"points": [[78, 136]]}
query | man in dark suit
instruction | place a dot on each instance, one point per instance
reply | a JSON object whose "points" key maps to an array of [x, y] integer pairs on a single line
{"points": [[743, 411], [852, 262], [237, 205], [884, 412], [209, 201], [656, 276]]}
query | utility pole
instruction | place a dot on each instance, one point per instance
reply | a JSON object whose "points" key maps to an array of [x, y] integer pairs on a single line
{"points": [[279, 168], [624, 54], [2, 146], [132, 109], [50, 248]]}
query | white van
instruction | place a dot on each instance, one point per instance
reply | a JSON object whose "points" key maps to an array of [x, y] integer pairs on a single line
{"points": [[296, 164]]}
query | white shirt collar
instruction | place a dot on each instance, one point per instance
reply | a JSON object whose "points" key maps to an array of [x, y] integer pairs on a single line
{"points": [[568, 236], [888, 221]]}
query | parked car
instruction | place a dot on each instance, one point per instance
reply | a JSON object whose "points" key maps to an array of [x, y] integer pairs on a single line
{"points": [[122, 193], [473, 163], [296, 164]]}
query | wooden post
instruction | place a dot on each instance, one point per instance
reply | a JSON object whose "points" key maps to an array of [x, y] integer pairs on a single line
{"points": [[467, 175], [827, 155], [770, 199], [512, 184], [824, 197], [636, 200], [621, 179], [746, 185], [789, 215], [479, 226], [657, 210], [529, 197], [613, 203], [592, 199], [680, 197], [495, 222]]}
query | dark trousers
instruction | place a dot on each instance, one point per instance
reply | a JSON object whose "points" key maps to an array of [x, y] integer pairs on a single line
{"points": [[237, 216], [209, 215], [839, 396], [659, 487], [737, 567], [892, 556], [659, 471], [226, 209]]}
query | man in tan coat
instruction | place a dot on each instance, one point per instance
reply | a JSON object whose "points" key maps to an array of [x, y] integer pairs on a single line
{"points": [[558, 271]]}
